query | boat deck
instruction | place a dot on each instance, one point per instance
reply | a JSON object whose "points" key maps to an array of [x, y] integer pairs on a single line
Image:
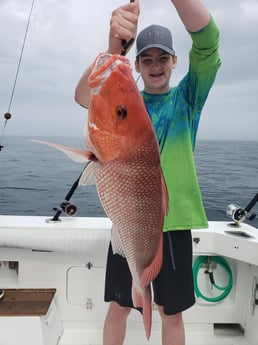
{"points": [[68, 258]]}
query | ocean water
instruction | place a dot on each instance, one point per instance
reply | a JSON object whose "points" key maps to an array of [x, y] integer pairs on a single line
{"points": [[34, 178]]}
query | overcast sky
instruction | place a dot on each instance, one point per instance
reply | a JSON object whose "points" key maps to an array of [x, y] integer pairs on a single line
{"points": [[66, 35]]}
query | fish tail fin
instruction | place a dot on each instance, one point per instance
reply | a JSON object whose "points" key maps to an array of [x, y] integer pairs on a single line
{"points": [[151, 272], [147, 311], [144, 301]]}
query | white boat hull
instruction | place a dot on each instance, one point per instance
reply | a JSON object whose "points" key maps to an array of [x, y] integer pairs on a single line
{"points": [[70, 256]]}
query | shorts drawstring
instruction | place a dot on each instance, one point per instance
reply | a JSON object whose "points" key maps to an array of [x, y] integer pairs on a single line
{"points": [[171, 251]]}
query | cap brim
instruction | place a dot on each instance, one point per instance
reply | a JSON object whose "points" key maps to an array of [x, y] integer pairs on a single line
{"points": [[160, 46]]}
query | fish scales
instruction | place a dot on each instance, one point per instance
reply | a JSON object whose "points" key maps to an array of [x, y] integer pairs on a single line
{"points": [[130, 192]]}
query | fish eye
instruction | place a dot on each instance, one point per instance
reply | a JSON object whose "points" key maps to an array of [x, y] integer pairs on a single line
{"points": [[121, 111]]}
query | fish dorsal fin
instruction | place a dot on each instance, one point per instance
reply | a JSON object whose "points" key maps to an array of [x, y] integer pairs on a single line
{"points": [[87, 177]]}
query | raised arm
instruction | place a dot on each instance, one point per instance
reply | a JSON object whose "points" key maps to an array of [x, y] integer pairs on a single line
{"points": [[193, 14], [123, 26]]}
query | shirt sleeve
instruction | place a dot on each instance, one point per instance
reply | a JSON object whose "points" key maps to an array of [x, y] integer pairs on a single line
{"points": [[204, 55], [204, 62]]}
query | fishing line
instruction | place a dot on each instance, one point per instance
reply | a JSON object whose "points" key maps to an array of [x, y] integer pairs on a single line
{"points": [[138, 78], [7, 115]]}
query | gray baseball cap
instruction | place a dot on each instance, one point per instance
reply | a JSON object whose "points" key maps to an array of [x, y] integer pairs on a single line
{"points": [[154, 36]]}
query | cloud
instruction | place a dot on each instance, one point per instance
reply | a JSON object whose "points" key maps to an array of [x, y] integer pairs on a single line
{"points": [[65, 36]]}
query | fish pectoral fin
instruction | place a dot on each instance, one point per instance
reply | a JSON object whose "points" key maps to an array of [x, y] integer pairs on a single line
{"points": [[77, 155], [87, 177]]}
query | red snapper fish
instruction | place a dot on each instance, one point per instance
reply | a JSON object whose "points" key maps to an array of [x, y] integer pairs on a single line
{"points": [[125, 165]]}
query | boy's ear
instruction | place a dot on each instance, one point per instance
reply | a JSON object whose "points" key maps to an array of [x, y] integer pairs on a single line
{"points": [[136, 64], [174, 62]]}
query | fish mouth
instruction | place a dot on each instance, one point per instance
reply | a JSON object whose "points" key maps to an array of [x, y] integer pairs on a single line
{"points": [[103, 66]]}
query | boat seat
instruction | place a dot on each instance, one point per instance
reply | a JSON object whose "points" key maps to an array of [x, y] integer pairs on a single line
{"points": [[26, 302], [31, 316]]}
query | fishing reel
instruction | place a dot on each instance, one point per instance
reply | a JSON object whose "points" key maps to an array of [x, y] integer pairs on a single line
{"points": [[238, 214], [68, 208]]}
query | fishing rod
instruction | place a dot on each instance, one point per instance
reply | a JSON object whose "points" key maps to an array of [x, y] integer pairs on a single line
{"points": [[126, 44]]}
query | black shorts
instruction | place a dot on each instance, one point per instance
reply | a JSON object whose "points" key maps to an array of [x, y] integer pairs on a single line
{"points": [[173, 288]]}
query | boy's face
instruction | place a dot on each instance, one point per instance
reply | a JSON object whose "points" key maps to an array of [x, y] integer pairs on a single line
{"points": [[155, 66]]}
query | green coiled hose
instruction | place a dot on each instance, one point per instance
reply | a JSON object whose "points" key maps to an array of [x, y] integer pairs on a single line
{"points": [[220, 261]]}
